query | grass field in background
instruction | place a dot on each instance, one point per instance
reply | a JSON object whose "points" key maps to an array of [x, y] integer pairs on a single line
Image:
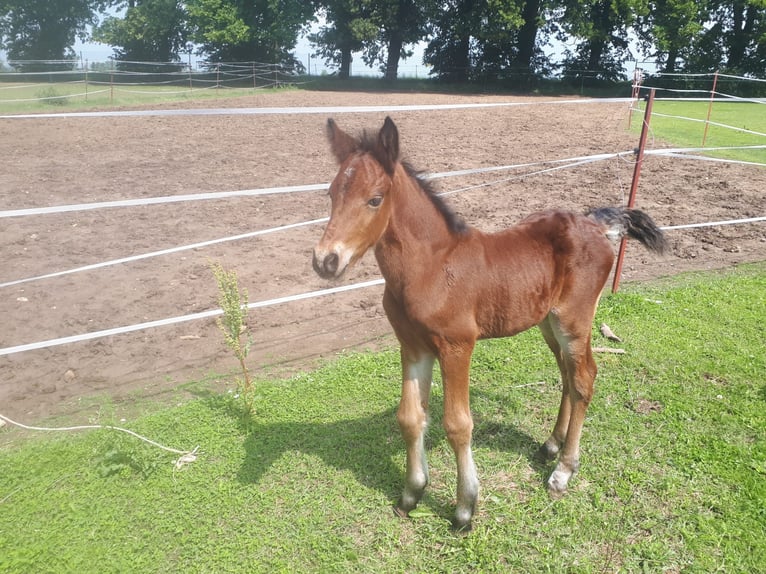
{"points": [[688, 133], [673, 473], [66, 97]]}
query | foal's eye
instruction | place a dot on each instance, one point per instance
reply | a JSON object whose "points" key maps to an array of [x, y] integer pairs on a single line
{"points": [[375, 201]]}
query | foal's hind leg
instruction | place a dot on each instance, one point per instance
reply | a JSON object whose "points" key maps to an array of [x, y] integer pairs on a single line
{"points": [[551, 447], [417, 372], [578, 372]]}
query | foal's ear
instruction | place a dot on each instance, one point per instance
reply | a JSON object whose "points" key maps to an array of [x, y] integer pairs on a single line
{"points": [[388, 145], [341, 144]]}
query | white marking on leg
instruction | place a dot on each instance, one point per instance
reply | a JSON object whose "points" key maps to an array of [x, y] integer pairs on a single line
{"points": [[468, 489], [416, 387], [558, 481]]}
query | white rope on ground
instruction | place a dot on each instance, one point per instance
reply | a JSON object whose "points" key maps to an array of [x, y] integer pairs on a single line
{"points": [[181, 319], [187, 456]]}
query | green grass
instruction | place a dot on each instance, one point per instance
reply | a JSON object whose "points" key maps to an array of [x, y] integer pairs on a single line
{"points": [[63, 97], [686, 133], [673, 473]]}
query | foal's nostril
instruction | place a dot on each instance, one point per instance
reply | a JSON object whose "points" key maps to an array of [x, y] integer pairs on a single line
{"points": [[331, 264]]}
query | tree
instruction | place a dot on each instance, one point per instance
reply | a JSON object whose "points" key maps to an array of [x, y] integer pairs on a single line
{"points": [[487, 38], [150, 31], [669, 30], [735, 40], [527, 41], [248, 30], [44, 30], [452, 51], [347, 28], [601, 29], [399, 23]]}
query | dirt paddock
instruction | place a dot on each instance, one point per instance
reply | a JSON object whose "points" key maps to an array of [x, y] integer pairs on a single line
{"points": [[60, 161]]}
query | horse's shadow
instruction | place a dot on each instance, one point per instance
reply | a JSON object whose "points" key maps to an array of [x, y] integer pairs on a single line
{"points": [[365, 446], [370, 447]]}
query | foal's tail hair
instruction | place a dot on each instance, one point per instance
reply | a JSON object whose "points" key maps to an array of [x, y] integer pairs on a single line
{"points": [[621, 221]]}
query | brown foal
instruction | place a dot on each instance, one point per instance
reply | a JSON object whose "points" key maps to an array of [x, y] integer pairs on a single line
{"points": [[448, 285]]}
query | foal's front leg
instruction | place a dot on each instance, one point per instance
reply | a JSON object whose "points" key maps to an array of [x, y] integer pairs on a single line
{"points": [[417, 372], [458, 425]]}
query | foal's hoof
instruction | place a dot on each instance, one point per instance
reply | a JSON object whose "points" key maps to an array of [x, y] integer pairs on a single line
{"points": [[557, 483], [556, 494], [545, 454], [401, 512], [459, 527]]}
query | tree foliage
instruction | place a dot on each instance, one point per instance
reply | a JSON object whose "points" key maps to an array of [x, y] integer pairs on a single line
{"points": [[248, 30], [44, 30], [599, 29], [400, 23], [150, 31], [348, 27], [466, 39]]}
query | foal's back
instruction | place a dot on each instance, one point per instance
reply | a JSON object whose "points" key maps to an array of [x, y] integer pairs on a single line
{"points": [[550, 260]]}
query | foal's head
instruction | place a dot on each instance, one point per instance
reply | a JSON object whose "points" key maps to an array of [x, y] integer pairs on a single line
{"points": [[360, 195]]}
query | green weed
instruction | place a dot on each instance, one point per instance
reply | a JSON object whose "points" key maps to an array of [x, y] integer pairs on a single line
{"points": [[233, 324]]}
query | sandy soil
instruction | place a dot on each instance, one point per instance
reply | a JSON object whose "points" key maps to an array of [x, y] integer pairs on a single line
{"points": [[57, 161]]}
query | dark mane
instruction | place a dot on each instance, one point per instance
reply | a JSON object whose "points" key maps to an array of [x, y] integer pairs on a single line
{"points": [[454, 222], [368, 143]]}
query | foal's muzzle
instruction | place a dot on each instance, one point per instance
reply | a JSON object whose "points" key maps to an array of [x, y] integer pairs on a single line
{"points": [[327, 266]]}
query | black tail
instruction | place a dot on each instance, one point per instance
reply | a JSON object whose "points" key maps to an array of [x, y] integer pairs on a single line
{"points": [[621, 221]]}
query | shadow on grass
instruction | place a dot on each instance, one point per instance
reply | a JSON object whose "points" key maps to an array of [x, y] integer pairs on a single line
{"points": [[365, 446], [369, 447]]}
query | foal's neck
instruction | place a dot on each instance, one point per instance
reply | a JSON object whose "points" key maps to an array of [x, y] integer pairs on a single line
{"points": [[416, 219]]}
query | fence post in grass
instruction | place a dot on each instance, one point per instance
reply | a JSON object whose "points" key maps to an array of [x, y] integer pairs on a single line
{"points": [[638, 79], [86, 79], [710, 107], [634, 183]]}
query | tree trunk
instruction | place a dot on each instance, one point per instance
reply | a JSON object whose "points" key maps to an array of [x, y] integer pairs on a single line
{"points": [[670, 63], [743, 22], [462, 60], [345, 64], [394, 50], [527, 35]]}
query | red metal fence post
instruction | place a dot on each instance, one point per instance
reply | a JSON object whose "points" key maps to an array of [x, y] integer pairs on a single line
{"points": [[710, 107], [634, 183]]}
